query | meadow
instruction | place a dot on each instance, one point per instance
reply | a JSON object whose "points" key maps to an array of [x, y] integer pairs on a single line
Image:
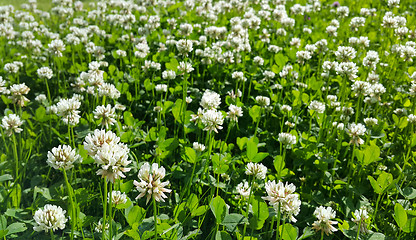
{"points": [[208, 119]]}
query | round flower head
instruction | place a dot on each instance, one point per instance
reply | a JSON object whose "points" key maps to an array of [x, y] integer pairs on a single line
{"points": [[256, 169], [212, 120], [51, 217], [18, 92], [263, 101], [355, 131], [324, 222], [198, 146], [106, 113], [287, 140], [360, 218], [62, 157], [317, 106], [113, 159], [44, 72], [94, 142], [11, 123], [282, 196], [244, 189], [151, 184], [210, 100], [234, 112], [117, 197]]}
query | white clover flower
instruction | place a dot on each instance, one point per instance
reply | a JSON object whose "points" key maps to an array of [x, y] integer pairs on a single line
{"points": [[411, 119], [199, 147], [258, 170], [161, 88], [185, 67], [109, 90], [113, 160], [239, 76], [287, 140], [361, 88], [370, 121], [45, 72], [360, 218], [99, 227], [67, 109], [285, 196], [62, 157], [168, 74], [93, 143], [51, 217], [11, 123], [324, 222], [263, 101], [56, 47], [344, 54], [258, 60], [117, 197], [17, 92], [285, 108], [184, 46], [317, 106], [106, 113], [244, 189], [234, 113], [151, 184], [212, 120], [303, 56], [348, 69], [210, 100], [355, 131]]}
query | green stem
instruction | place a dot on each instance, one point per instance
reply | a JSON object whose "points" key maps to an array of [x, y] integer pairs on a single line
{"points": [[52, 235], [278, 222], [375, 211], [104, 207], [16, 158], [155, 216], [358, 230], [110, 204], [69, 189]]}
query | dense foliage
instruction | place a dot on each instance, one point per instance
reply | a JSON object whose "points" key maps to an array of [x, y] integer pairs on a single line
{"points": [[206, 119]]}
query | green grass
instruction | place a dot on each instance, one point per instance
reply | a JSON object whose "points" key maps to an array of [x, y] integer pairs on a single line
{"points": [[42, 4]]}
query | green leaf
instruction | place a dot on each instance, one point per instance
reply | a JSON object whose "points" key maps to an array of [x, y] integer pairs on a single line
{"points": [[289, 232], [279, 164], [169, 144], [135, 215], [251, 149], [260, 156], [128, 118], [127, 186], [241, 142], [409, 193], [218, 208], [16, 228], [219, 164], [400, 215], [192, 202], [5, 177], [40, 114], [410, 225], [255, 113], [199, 211], [189, 155], [260, 213], [232, 220], [223, 235], [371, 154], [374, 184], [383, 182]]}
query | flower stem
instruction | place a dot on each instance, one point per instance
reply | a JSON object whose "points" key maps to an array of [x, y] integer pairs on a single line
{"points": [[73, 218], [52, 236], [16, 158], [104, 206], [110, 204], [155, 216]]}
